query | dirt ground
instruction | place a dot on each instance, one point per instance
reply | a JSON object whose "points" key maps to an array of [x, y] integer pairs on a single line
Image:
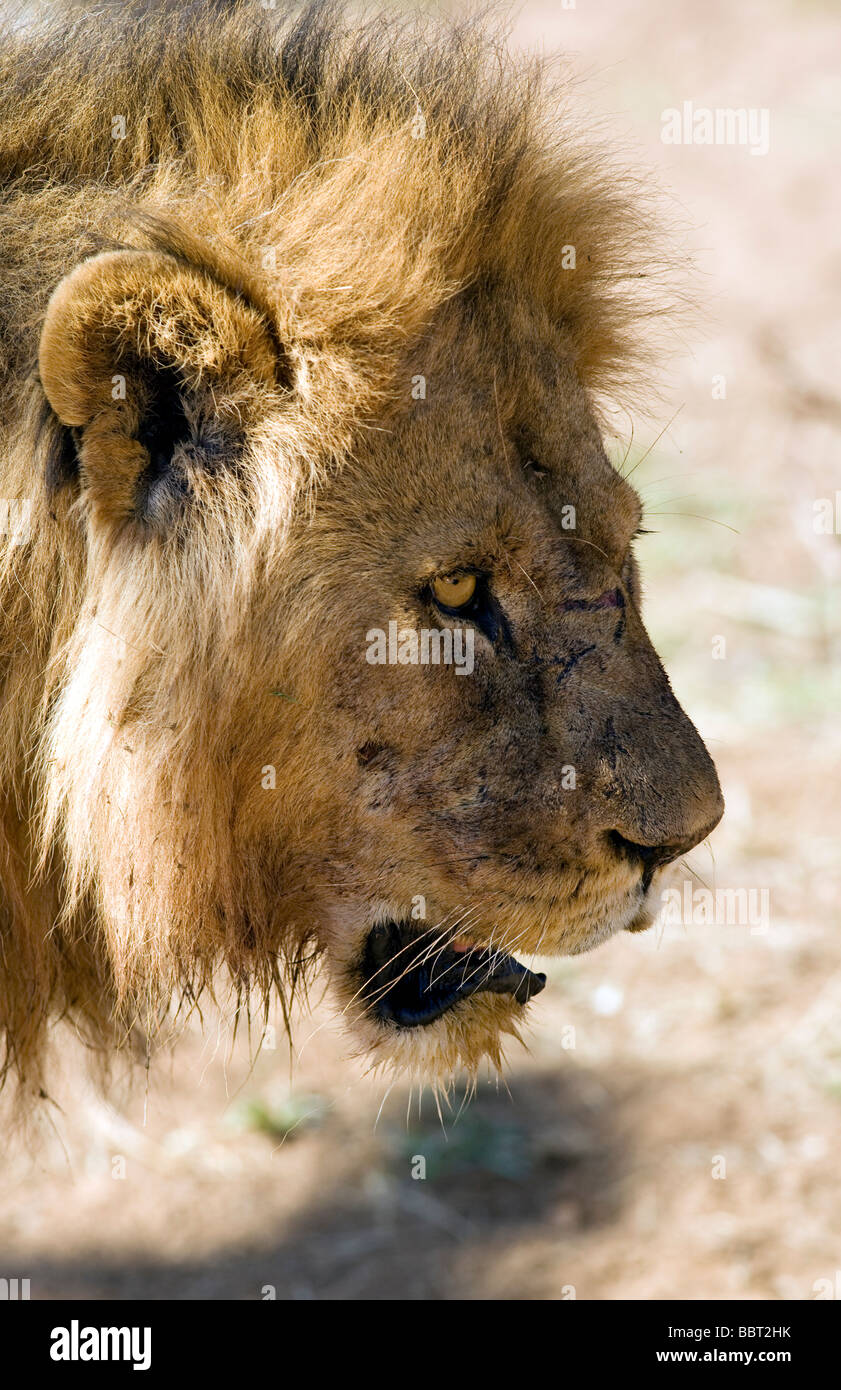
{"points": [[674, 1130]]}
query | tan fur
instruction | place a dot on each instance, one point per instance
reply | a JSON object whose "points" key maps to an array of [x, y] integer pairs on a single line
{"points": [[285, 251]]}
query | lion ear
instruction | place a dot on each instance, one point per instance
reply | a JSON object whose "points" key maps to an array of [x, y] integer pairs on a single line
{"points": [[123, 314]]}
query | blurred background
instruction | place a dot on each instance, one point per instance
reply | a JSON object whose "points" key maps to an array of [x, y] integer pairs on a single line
{"points": [[674, 1129]]}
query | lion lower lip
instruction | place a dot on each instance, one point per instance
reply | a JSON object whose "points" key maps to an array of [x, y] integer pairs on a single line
{"points": [[412, 977]]}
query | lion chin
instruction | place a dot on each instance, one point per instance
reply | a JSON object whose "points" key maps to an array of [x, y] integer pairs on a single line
{"points": [[433, 1003]]}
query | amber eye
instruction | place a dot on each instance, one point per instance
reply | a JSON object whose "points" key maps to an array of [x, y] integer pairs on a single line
{"points": [[455, 590]]}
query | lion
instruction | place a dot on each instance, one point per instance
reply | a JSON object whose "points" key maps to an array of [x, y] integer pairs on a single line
{"points": [[321, 646]]}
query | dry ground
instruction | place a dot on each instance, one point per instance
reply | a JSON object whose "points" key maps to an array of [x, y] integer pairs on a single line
{"points": [[686, 1145]]}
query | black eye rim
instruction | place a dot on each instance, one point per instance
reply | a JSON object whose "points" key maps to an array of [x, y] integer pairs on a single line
{"points": [[477, 600], [481, 609]]}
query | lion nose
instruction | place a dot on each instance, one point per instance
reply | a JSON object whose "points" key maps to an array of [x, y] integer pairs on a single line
{"points": [[660, 790], [653, 857]]}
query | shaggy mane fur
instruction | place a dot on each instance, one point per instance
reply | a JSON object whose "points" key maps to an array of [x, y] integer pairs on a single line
{"points": [[343, 181]]}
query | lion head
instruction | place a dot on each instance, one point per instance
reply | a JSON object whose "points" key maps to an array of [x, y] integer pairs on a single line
{"points": [[328, 638]]}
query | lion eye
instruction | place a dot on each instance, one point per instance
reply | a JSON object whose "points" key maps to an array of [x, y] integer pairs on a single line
{"points": [[454, 590]]}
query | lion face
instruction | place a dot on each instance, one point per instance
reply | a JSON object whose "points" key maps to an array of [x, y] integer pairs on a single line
{"points": [[418, 726], [520, 796]]}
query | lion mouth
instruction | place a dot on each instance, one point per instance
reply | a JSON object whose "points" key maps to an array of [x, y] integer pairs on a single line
{"points": [[411, 977]]}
